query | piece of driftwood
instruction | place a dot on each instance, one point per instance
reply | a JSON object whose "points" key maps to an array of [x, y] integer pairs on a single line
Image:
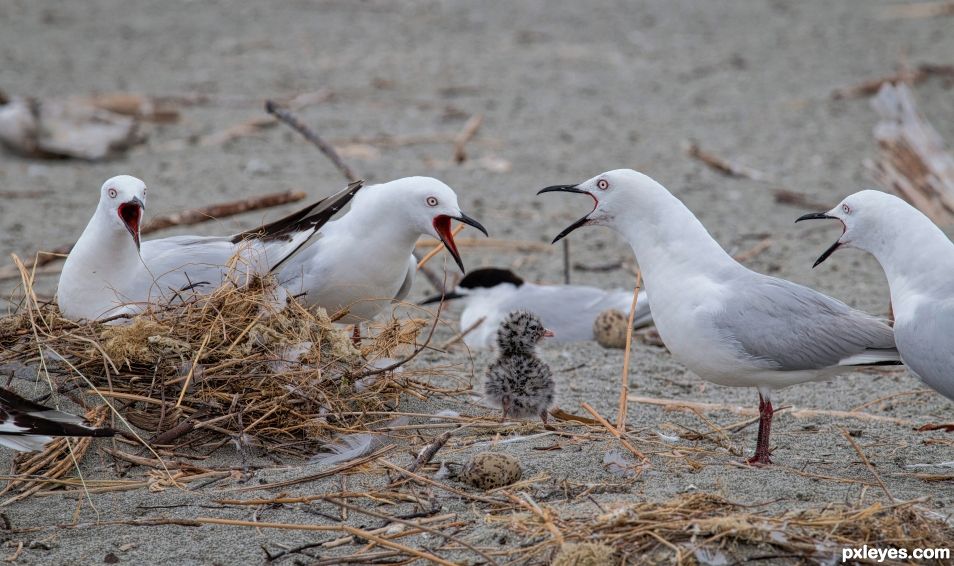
{"points": [[917, 10], [65, 128], [910, 76], [913, 160], [285, 115], [466, 134], [733, 169], [185, 218]]}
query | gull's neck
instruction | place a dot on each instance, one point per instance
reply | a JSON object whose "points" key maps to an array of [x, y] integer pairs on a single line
{"points": [[103, 245], [668, 240], [913, 252]]}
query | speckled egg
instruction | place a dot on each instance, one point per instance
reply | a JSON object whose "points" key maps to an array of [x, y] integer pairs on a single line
{"points": [[609, 329], [490, 470]]}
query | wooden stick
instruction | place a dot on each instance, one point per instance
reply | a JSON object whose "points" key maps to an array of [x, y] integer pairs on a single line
{"points": [[195, 362], [867, 463], [910, 76], [428, 453], [466, 134], [437, 249], [463, 333], [287, 117], [184, 218], [627, 444], [747, 411], [624, 386]]}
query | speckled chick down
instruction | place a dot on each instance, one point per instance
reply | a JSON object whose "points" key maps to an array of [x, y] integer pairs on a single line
{"points": [[519, 382]]}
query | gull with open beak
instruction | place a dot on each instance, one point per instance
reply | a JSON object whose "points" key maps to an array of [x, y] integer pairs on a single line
{"points": [[110, 272], [918, 261], [364, 261], [726, 323]]}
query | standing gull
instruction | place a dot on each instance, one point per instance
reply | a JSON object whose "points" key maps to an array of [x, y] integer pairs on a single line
{"points": [[109, 272], [519, 382], [726, 323], [918, 260], [492, 293], [27, 426], [364, 261]]}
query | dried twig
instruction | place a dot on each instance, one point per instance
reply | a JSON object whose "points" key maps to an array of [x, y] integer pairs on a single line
{"points": [[287, 117], [918, 10], [914, 76], [867, 463], [612, 430], [624, 385], [466, 134]]}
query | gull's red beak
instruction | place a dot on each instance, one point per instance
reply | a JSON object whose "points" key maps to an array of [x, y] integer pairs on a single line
{"points": [[131, 215], [442, 224]]}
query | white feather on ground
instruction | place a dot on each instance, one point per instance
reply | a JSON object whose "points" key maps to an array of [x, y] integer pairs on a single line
{"points": [[348, 447]]}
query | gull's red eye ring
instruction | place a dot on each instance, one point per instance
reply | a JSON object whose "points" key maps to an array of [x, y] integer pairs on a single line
{"points": [[846, 209], [602, 184], [111, 192], [431, 201]]}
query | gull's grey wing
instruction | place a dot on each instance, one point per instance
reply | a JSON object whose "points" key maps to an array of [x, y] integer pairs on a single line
{"points": [[924, 340], [408, 279], [784, 326]]}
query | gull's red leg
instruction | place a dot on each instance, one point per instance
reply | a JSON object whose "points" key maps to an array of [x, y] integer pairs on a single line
{"points": [[762, 451]]}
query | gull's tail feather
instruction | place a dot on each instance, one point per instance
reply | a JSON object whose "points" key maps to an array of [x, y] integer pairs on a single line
{"points": [[874, 357], [28, 426]]}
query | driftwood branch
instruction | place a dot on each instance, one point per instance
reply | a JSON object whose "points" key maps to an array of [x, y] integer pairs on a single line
{"points": [[287, 117], [733, 169], [909, 76], [912, 160]]}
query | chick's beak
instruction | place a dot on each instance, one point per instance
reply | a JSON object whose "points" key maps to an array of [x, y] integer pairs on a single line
{"points": [[582, 221], [547, 333]]}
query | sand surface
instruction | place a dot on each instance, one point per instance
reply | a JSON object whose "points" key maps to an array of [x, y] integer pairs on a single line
{"points": [[566, 89]]}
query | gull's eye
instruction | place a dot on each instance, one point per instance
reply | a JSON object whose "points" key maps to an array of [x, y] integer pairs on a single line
{"points": [[846, 209], [111, 192], [602, 184], [431, 201]]}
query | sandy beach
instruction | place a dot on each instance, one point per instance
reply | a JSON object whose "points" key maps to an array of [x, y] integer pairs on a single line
{"points": [[565, 90]]}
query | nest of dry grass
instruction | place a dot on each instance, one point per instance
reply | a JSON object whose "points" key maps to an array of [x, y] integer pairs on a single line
{"points": [[236, 365], [707, 529]]}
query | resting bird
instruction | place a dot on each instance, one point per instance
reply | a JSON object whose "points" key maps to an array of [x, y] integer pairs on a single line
{"points": [[568, 310], [918, 260], [109, 273], [27, 426], [519, 382], [726, 323]]}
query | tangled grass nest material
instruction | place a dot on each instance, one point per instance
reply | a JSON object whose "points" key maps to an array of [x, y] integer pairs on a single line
{"points": [[704, 528], [232, 365]]}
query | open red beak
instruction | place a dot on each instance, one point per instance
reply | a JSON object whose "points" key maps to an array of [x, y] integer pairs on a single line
{"points": [[442, 224], [131, 215]]}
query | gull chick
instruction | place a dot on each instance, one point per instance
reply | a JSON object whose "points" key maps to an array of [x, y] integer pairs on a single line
{"points": [[918, 261], [519, 382], [364, 261], [110, 272], [492, 293], [726, 323], [27, 426]]}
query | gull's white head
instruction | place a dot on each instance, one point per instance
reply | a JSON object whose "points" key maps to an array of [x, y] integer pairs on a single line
{"points": [[426, 204], [122, 201], [868, 218], [613, 193]]}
